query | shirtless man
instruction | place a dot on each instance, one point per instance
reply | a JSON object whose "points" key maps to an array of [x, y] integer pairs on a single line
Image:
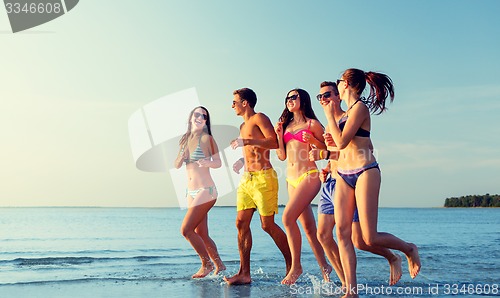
{"points": [[258, 188]]}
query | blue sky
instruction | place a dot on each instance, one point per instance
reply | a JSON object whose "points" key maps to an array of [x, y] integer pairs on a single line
{"points": [[69, 87]]}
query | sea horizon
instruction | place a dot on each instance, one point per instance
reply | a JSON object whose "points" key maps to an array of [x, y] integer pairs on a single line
{"points": [[229, 206], [140, 252]]}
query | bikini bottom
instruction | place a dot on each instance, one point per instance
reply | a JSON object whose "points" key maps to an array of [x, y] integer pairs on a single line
{"points": [[295, 182], [194, 192], [351, 176]]}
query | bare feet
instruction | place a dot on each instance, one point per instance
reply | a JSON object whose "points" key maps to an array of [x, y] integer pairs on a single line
{"points": [[238, 279], [326, 270], [219, 268], [351, 295], [396, 270], [413, 261], [204, 271], [292, 276]]}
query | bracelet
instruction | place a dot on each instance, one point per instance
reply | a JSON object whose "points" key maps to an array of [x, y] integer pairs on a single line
{"points": [[320, 154], [327, 155]]}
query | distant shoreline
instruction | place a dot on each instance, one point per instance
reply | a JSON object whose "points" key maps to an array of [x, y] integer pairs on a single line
{"points": [[216, 206], [473, 201]]}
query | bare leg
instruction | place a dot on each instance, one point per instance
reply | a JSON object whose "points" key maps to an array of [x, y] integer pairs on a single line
{"points": [[202, 230], [299, 202], [326, 223], [309, 224], [393, 259], [344, 211], [293, 209], [279, 238], [243, 220], [367, 197], [194, 215]]}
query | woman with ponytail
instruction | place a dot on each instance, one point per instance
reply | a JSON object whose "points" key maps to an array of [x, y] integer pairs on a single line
{"points": [[359, 172]]}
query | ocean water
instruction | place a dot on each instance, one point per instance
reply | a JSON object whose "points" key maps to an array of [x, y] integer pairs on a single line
{"points": [[141, 251]]}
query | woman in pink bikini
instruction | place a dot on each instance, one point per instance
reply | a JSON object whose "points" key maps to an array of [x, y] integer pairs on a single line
{"points": [[298, 130], [200, 153]]}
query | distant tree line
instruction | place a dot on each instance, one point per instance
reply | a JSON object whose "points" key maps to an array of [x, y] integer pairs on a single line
{"points": [[486, 200]]}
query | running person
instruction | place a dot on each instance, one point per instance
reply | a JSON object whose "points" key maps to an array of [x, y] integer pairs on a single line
{"points": [[200, 153], [258, 188]]}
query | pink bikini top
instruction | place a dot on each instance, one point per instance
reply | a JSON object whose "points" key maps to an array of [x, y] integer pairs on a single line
{"points": [[297, 135]]}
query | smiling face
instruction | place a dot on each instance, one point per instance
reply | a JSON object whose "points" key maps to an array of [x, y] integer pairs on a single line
{"points": [[326, 93], [238, 104], [198, 119], [292, 101]]}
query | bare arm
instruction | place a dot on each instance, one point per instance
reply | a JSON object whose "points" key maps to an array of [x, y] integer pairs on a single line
{"points": [[238, 165], [280, 151], [324, 172], [180, 157], [318, 154], [357, 116], [316, 139], [213, 161]]}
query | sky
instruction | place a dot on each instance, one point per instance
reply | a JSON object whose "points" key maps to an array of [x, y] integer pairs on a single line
{"points": [[69, 87]]}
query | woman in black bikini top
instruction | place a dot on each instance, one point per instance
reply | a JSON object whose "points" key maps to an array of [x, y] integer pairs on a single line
{"points": [[359, 185]]}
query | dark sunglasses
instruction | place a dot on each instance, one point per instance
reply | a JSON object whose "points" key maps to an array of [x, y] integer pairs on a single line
{"points": [[339, 80], [235, 102], [198, 115], [324, 95], [293, 97]]}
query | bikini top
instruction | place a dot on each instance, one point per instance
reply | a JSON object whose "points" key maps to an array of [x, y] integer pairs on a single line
{"points": [[197, 154], [360, 133], [297, 135]]}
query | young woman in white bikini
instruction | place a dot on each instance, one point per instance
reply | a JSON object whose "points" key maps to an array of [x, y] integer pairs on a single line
{"points": [[200, 153]]}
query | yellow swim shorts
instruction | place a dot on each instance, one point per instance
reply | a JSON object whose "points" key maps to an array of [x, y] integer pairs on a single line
{"points": [[259, 190]]}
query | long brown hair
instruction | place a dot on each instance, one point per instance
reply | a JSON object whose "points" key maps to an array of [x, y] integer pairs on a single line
{"points": [[305, 107], [206, 128]]}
